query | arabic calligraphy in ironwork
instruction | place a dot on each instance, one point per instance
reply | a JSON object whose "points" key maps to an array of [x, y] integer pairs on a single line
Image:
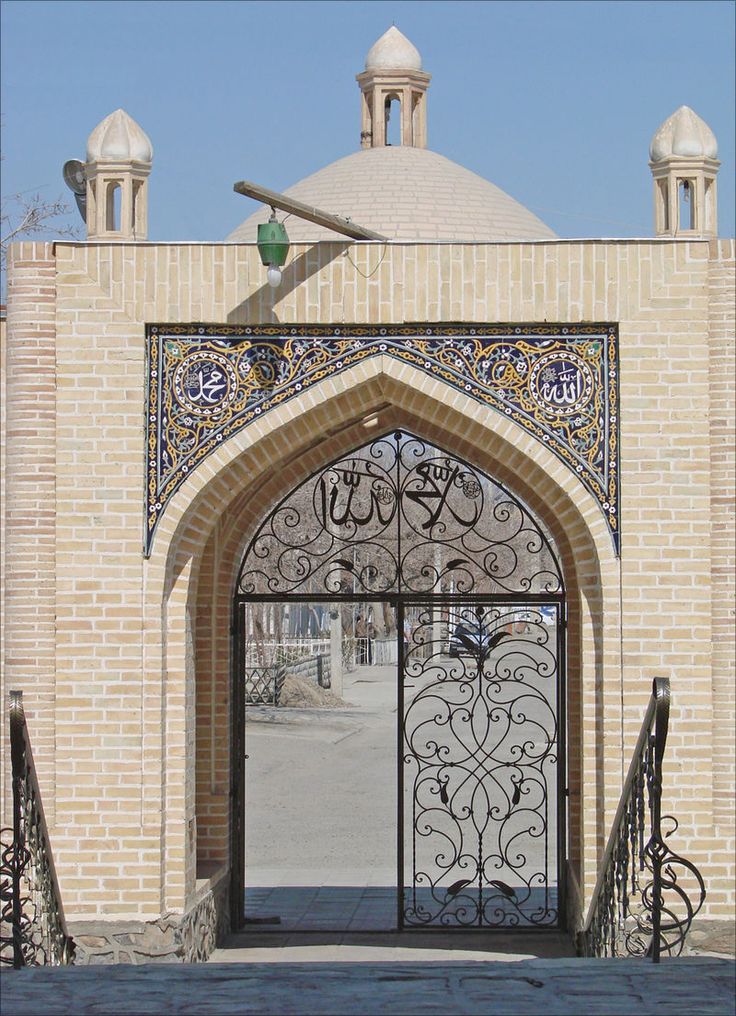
{"points": [[207, 382], [399, 515]]}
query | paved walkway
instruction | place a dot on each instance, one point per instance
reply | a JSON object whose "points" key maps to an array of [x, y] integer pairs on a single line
{"points": [[353, 908], [696, 986], [321, 812]]}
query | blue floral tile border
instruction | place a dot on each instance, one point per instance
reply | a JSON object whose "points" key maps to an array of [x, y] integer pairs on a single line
{"points": [[206, 382]]}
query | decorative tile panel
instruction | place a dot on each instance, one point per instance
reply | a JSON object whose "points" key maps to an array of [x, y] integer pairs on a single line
{"points": [[206, 382]]}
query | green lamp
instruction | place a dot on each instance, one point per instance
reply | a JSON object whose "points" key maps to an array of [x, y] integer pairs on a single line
{"points": [[273, 247]]}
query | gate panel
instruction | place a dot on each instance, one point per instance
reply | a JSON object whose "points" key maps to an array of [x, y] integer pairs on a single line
{"points": [[480, 734], [479, 594]]}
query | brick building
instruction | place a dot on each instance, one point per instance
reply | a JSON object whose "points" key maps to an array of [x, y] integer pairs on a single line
{"points": [[124, 540]]}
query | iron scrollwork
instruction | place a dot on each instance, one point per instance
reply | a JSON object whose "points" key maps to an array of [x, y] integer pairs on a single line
{"points": [[33, 927], [400, 516], [647, 895], [480, 767]]}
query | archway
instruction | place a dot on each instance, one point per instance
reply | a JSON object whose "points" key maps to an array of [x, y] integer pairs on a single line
{"points": [[478, 598]]}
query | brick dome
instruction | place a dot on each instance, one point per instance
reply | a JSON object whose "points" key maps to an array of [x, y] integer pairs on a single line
{"points": [[405, 193]]}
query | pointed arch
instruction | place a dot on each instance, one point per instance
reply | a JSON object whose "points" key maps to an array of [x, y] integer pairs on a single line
{"points": [[215, 514], [400, 515]]}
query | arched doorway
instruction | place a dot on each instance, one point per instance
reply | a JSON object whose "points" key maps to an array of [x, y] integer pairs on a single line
{"points": [[473, 583]]}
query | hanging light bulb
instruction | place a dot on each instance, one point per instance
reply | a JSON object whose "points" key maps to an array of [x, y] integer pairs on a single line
{"points": [[273, 247]]}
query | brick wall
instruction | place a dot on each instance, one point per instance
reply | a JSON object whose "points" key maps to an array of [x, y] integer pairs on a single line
{"points": [[29, 503], [135, 648], [722, 334]]}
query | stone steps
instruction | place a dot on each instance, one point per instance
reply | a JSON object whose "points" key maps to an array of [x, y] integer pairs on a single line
{"points": [[692, 986], [270, 944]]}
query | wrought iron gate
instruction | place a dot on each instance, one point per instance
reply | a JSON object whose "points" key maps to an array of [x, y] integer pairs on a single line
{"points": [[481, 615], [480, 753]]}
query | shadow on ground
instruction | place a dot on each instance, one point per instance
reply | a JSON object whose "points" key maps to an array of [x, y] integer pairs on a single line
{"points": [[388, 945]]}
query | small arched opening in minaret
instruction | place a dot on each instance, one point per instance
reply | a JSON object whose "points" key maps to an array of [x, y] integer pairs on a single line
{"points": [[686, 204], [114, 200], [392, 112]]}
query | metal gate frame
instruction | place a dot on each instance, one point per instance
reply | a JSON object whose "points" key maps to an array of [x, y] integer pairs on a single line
{"points": [[399, 602], [561, 765]]}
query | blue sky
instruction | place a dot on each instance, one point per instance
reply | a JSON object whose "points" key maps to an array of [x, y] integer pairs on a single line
{"points": [[555, 102]]}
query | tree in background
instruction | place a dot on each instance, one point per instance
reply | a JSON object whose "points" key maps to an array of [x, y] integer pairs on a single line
{"points": [[23, 216]]}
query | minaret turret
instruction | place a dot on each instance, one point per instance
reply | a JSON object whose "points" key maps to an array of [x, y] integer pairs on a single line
{"points": [[119, 156], [393, 75], [683, 160]]}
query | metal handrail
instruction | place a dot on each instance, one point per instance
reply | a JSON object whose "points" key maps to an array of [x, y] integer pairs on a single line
{"points": [[638, 907], [29, 888]]}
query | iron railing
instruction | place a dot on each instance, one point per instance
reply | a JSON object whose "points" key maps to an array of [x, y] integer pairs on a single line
{"points": [[32, 926], [293, 647], [643, 902], [263, 685]]}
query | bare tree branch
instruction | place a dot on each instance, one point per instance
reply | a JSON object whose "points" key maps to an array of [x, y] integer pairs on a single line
{"points": [[28, 216]]}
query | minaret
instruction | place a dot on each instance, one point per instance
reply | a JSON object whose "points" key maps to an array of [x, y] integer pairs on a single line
{"points": [[119, 156], [393, 73], [684, 162]]}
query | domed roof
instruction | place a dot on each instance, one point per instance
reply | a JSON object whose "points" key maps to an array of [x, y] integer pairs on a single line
{"points": [[683, 134], [118, 138], [393, 51], [405, 193]]}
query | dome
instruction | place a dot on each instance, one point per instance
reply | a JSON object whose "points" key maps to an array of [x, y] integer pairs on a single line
{"points": [[118, 138], [405, 193], [392, 52], [683, 134]]}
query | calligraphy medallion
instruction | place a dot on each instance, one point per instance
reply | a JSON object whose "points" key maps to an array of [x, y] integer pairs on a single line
{"points": [[561, 383], [205, 383]]}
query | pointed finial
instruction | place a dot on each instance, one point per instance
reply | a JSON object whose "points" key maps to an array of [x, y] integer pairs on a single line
{"points": [[393, 51]]}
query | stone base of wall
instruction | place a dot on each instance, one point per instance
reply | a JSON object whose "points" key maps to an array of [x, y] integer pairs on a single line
{"points": [[711, 936], [312, 668], [574, 914], [173, 938]]}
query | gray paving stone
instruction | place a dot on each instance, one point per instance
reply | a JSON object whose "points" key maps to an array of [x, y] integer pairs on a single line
{"points": [[690, 986]]}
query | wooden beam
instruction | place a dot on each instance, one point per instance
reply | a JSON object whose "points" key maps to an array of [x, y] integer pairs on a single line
{"points": [[308, 212]]}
